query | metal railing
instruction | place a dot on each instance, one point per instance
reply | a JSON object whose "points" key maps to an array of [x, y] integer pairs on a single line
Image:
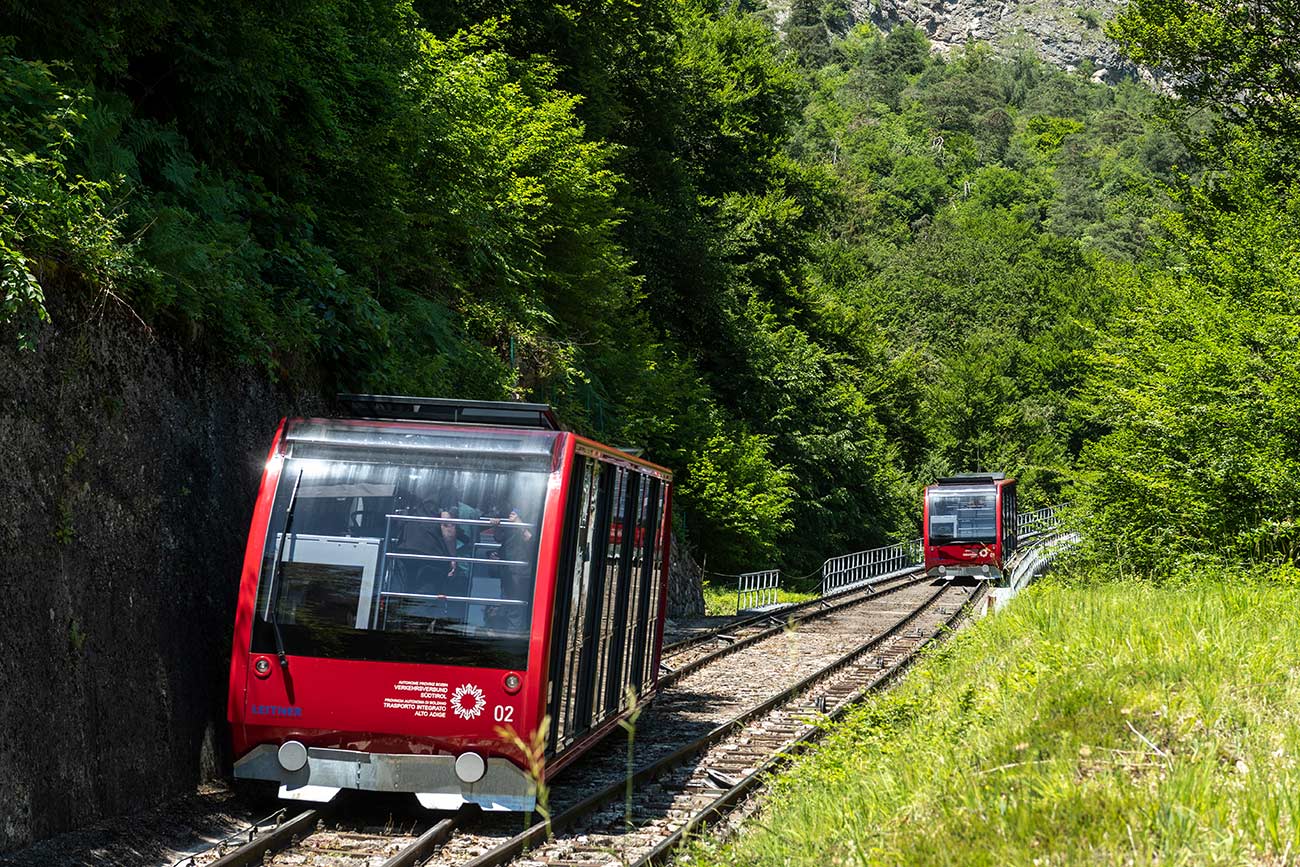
{"points": [[851, 571], [848, 571], [756, 589], [1032, 561], [1037, 521], [393, 522]]}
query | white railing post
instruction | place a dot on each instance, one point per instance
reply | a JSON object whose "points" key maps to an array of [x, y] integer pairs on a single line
{"points": [[1038, 521], [757, 589], [850, 571]]}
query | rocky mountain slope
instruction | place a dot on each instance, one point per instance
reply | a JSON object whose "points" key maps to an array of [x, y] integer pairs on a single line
{"points": [[1066, 35]]}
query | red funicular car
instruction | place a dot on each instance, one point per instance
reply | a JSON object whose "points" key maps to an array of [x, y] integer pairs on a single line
{"points": [[425, 584], [970, 525]]}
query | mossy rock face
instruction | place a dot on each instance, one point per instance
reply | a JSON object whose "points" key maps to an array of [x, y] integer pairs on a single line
{"points": [[131, 470]]}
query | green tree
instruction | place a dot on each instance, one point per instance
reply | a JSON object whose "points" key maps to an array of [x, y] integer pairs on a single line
{"points": [[53, 221], [1241, 59], [1197, 386]]}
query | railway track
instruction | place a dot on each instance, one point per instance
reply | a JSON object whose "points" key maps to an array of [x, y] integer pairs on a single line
{"points": [[682, 781], [700, 781], [672, 648], [683, 657], [311, 837]]}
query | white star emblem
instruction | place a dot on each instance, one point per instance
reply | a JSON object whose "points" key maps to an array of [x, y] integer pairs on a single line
{"points": [[468, 701]]}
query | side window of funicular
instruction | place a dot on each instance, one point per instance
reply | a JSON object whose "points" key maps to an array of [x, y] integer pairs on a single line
{"points": [[409, 546]]}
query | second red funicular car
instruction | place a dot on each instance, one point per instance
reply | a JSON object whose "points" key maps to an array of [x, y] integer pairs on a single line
{"points": [[431, 586], [969, 525]]}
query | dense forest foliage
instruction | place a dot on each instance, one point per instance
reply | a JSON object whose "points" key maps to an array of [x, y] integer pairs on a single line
{"points": [[808, 266], [1196, 385]]}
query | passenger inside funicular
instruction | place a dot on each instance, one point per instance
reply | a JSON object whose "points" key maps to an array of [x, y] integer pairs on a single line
{"points": [[516, 540], [447, 577], [388, 554]]}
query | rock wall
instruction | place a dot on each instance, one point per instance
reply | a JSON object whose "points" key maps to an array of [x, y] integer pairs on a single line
{"points": [[685, 583], [1064, 35], [130, 468]]}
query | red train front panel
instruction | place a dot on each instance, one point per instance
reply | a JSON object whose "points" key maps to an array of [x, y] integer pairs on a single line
{"points": [[966, 526], [394, 596]]}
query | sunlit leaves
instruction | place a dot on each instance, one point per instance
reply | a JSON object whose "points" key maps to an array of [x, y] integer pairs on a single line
{"points": [[51, 219], [1199, 385], [742, 500]]}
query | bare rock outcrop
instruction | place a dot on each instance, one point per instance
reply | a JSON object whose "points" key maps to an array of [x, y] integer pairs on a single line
{"points": [[1068, 36]]}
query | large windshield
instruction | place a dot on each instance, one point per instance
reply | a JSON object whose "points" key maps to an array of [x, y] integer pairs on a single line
{"points": [[962, 514], [412, 546]]}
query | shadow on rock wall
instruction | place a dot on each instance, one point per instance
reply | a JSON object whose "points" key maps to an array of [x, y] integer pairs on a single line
{"points": [[685, 583], [129, 469]]}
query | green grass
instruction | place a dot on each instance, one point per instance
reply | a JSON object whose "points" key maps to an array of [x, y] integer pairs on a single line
{"points": [[720, 597], [1086, 724]]}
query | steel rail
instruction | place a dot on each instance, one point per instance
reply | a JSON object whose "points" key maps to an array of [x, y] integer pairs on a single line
{"points": [[442, 597], [303, 825], [428, 842], [802, 741], [477, 522], [448, 558], [254, 850], [822, 609], [617, 790]]}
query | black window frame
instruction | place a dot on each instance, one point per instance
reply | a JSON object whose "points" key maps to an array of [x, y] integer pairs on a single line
{"points": [[589, 662], [614, 675], [560, 695], [649, 577]]}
